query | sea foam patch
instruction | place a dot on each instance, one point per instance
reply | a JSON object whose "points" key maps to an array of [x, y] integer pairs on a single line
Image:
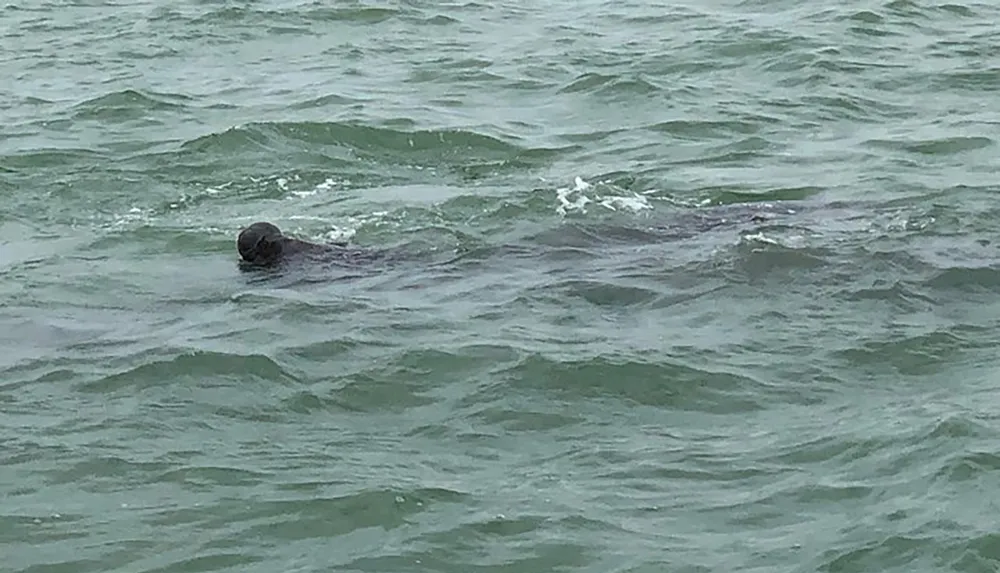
{"points": [[576, 198], [132, 218], [324, 187]]}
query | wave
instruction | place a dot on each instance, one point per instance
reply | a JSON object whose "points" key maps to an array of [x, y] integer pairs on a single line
{"points": [[51, 158], [309, 516], [705, 129], [356, 136], [129, 104], [606, 294], [734, 152], [301, 16], [914, 355], [361, 143], [729, 194], [940, 146], [982, 279], [661, 383], [610, 85], [360, 155], [192, 368], [323, 101]]}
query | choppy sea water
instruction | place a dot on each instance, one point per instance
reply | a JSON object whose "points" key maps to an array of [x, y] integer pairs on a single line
{"points": [[689, 286]]}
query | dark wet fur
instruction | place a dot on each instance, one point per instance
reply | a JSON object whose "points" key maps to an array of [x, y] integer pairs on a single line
{"points": [[262, 245]]}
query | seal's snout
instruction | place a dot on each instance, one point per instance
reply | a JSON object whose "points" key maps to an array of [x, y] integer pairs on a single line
{"points": [[260, 243]]}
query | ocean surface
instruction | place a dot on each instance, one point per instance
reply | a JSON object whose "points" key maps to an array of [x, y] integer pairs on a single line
{"points": [[693, 286]]}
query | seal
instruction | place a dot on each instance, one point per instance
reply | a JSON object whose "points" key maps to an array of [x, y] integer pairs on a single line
{"points": [[263, 244]]}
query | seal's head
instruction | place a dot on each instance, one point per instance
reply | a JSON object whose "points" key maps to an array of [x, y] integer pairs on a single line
{"points": [[261, 244]]}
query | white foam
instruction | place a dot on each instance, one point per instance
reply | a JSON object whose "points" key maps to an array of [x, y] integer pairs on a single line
{"points": [[323, 187], [582, 193], [373, 218], [338, 234], [761, 238], [134, 216], [790, 241], [634, 203], [218, 189], [567, 201], [350, 226]]}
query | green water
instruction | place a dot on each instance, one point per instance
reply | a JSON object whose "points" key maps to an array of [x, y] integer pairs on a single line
{"points": [[586, 355]]}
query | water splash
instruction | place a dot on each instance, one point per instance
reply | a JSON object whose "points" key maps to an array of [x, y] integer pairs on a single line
{"points": [[575, 199]]}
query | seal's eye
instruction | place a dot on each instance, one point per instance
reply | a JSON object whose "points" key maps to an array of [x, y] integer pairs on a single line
{"points": [[267, 251]]}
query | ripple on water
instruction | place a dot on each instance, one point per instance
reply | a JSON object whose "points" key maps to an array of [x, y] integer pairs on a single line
{"points": [[661, 383], [194, 368], [128, 105]]}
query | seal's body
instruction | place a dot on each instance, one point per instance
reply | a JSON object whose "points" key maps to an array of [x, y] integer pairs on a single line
{"points": [[262, 244]]}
